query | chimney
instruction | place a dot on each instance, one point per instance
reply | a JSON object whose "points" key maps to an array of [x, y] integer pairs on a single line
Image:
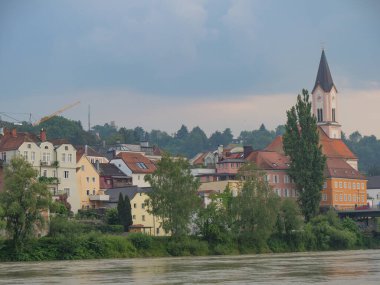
{"points": [[14, 133], [85, 149], [247, 150], [43, 135], [220, 150], [97, 165]]}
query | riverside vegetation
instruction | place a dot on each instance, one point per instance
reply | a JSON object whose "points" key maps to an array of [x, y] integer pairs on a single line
{"points": [[254, 221]]}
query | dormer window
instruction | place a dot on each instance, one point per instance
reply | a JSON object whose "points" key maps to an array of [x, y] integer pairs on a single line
{"points": [[66, 148], [29, 145], [46, 147], [141, 165]]}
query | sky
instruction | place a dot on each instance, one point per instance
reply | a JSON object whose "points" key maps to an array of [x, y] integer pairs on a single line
{"points": [[214, 64]]}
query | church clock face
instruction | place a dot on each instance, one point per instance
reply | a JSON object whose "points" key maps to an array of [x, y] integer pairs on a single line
{"points": [[319, 98]]}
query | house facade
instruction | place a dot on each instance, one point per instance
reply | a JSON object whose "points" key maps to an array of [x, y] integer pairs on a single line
{"points": [[135, 165]]}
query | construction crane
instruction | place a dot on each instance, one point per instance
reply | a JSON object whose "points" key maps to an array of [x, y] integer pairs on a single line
{"points": [[44, 119]]}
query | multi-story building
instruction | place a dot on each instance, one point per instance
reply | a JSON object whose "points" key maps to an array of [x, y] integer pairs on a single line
{"points": [[88, 184], [54, 160]]}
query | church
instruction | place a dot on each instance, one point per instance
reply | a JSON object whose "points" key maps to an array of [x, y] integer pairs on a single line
{"points": [[345, 187]]}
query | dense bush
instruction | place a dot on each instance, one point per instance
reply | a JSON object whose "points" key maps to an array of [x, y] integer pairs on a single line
{"points": [[187, 246], [140, 240]]}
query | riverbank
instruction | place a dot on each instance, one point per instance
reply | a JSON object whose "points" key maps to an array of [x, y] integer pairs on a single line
{"points": [[99, 246]]}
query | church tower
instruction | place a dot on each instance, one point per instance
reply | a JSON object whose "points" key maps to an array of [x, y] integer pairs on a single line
{"points": [[325, 101]]}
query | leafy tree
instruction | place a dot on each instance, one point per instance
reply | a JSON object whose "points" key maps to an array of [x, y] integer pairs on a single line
{"points": [[124, 211], [289, 217], [255, 207], [112, 217], [301, 144], [215, 221], [219, 138], [174, 197], [24, 201]]}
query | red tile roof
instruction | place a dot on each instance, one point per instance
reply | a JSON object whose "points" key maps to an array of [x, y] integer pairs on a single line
{"points": [[332, 148], [338, 168], [200, 159], [136, 162], [269, 160], [9, 142]]}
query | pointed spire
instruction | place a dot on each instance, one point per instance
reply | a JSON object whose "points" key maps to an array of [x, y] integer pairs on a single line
{"points": [[324, 78]]}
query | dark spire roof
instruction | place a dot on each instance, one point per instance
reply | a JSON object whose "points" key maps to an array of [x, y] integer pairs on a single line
{"points": [[324, 78]]}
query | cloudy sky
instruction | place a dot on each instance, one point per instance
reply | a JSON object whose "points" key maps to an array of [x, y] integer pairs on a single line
{"points": [[160, 64]]}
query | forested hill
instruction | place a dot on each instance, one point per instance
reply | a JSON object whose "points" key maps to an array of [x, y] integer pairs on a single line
{"points": [[190, 142]]}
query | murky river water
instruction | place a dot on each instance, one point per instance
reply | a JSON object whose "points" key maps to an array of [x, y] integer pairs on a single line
{"points": [[343, 267]]}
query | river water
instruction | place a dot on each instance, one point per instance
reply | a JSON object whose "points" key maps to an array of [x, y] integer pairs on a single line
{"points": [[340, 267]]}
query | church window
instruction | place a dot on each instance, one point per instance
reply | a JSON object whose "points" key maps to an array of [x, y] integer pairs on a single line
{"points": [[319, 115], [333, 115]]}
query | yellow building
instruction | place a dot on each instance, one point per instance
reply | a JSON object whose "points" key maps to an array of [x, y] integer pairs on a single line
{"points": [[89, 191], [142, 220]]}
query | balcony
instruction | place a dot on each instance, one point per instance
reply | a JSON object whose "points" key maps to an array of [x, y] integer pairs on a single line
{"points": [[56, 192], [99, 197], [45, 163], [49, 180]]}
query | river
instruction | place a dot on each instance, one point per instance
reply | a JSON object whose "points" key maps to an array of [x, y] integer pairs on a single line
{"points": [[339, 267]]}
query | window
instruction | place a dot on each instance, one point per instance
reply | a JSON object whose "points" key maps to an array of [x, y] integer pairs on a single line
{"points": [[26, 155], [82, 167], [358, 186], [46, 147], [29, 145], [88, 179], [67, 191], [134, 217], [157, 231], [66, 174], [333, 114], [142, 206], [349, 185], [69, 157], [267, 178], [48, 156], [363, 186], [4, 156], [141, 165], [108, 181], [363, 198], [325, 185], [320, 115], [135, 205], [275, 179], [32, 156], [93, 179], [340, 185], [66, 148], [88, 192], [93, 192], [345, 197], [341, 197], [143, 218], [138, 177], [336, 197], [63, 157], [354, 198], [354, 185], [349, 198], [345, 185], [286, 179], [44, 173], [324, 197], [336, 184]]}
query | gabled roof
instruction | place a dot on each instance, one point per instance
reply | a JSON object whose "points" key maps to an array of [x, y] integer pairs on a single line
{"points": [[324, 79], [137, 163], [332, 148], [269, 160], [9, 142], [57, 142], [90, 151], [339, 168], [199, 159], [130, 191], [109, 169]]}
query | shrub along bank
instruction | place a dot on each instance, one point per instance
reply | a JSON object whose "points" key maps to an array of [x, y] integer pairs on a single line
{"points": [[72, 241]]}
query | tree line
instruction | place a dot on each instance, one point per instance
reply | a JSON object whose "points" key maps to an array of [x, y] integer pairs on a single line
{"points": [[188, 143]]}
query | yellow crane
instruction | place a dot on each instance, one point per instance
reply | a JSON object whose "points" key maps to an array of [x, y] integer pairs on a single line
{"points": [[44, 119]]}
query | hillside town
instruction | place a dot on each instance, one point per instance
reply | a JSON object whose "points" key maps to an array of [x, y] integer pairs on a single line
{"points": [[93, 178]]}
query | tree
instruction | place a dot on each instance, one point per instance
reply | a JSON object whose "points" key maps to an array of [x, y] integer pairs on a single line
{"points": [[256, 207], [124, 211], [174, 196], [24, 201], [307, 162]]}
